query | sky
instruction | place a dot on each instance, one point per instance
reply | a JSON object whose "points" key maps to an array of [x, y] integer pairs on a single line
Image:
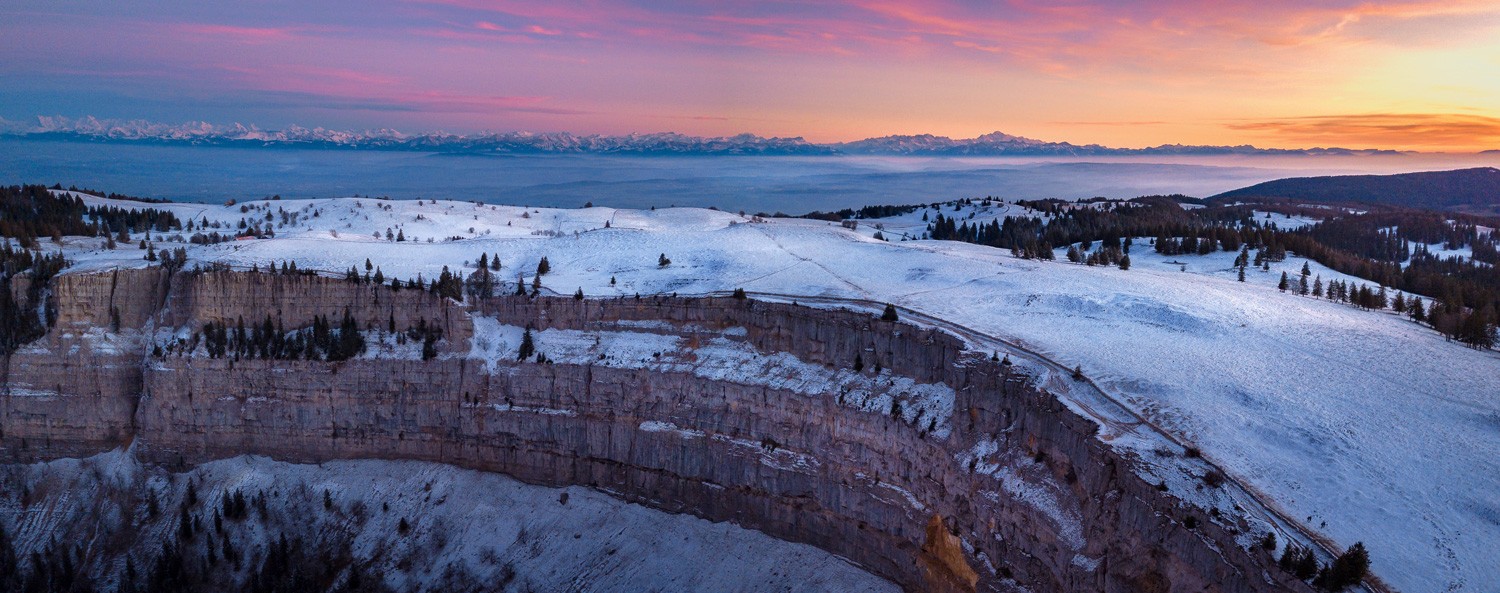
{"points": [[1410, 75]]}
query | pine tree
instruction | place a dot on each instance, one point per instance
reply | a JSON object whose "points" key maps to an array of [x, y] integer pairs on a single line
{"points": [[1242, 273], [1348, 569], [889, 314], [542, 267], [578, 296], [1317, 290], [528, 347], [1124, 262], [1306, 564], [1282, 286]]}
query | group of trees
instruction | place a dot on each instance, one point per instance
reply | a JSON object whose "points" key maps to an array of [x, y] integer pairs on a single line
{"points": [[1472, 326], [1109, 253], [268, 340], [31, 212], [484, 280], [1345, 571], [20, 320], [27, 213]]}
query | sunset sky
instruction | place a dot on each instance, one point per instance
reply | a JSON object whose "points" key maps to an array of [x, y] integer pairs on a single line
{"points": [[1420, 74]]}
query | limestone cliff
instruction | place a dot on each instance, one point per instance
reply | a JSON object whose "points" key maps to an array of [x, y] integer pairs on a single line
{"points": [[1013, 491]]}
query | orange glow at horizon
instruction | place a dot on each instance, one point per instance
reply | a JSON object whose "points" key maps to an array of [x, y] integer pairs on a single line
{"points": [[1406, 75]]}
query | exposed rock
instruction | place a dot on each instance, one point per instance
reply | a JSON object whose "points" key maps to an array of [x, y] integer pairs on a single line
{"points": [[1020, 494]]}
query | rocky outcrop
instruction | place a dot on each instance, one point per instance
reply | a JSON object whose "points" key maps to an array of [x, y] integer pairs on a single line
{"points": [[1016, 493]]}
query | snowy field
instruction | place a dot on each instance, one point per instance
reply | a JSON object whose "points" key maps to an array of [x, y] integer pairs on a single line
{"points": [[1365, 426], [468, 530]]}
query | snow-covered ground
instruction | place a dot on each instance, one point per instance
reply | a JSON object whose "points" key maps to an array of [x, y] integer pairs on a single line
{"points": [[1366, 426], [467, 530]]}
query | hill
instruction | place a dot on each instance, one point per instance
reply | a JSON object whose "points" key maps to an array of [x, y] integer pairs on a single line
{"points": [[1474, 190]]}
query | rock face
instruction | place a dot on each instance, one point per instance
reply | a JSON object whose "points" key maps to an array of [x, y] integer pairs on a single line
{"points": [[1019, 494]]}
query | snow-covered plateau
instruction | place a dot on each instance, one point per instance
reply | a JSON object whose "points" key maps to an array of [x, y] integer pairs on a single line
{"points": [[1362, 426]]}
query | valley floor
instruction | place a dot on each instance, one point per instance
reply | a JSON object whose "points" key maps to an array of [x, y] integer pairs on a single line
{"points": [[464, 530]]}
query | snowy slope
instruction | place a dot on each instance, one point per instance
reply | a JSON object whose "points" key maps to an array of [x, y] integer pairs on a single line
{"points": [[468, 530], [1368, 427]]}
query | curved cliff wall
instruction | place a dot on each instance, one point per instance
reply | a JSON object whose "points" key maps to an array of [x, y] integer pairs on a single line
{"points": [[1010, 491]]}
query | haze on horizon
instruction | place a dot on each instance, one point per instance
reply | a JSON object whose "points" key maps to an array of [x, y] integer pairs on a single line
{"points": [[1413, 75]]}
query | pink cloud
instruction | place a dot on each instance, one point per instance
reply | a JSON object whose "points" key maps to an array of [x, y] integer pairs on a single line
{"points": [[240, 34], [1172, 36]]}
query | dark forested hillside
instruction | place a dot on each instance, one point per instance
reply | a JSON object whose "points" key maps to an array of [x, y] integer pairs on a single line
{"points": [[1463, 190]]}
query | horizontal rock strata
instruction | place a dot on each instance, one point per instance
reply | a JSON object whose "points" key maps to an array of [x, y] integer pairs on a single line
{"points": [[1014, 492]]}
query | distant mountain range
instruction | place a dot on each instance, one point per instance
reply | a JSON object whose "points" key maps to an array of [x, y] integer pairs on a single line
{"points": [[1463, 190], [89, 129]]}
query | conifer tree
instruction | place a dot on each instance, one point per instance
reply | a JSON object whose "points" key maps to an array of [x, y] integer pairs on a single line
{"points": [[528, 347], [1346, 570], [1282, 286], [1124, 262], [542, 267]]}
